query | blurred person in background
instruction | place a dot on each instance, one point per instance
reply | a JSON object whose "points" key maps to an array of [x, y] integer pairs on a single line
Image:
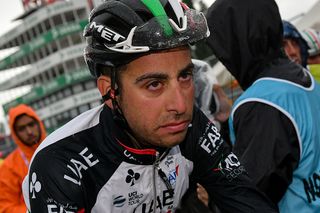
{"points": [[294, 45], [27, 132], [312, 37], [274, 124], [302, 48]]}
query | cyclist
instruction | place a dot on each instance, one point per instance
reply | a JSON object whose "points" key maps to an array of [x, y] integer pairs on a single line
{"points": [[146, 145]]}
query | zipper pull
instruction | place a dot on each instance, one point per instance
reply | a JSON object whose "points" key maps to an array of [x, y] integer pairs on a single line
{"points": [[165, 180]]}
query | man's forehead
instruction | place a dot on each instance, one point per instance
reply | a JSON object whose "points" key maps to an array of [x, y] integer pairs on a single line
{"points": [[160, 62], [23, 120], [286, 39]]}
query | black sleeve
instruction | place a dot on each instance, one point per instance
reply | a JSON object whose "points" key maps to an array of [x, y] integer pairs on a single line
{"points": [[222, 175], [268, 147], [48, 191]]}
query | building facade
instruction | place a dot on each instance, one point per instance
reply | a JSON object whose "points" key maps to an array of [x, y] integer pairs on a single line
{"points": [[48, 52]]}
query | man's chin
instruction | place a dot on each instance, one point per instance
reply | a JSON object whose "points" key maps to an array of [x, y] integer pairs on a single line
{"points": [[172, 140], [31, 143]]}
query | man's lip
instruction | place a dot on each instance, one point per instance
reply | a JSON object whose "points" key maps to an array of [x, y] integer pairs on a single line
{"points": [[176, 126]]}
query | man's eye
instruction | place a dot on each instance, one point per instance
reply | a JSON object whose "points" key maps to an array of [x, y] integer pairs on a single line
{"points": [[31, 124], [155, 85], [21, 129], [186, 76]]}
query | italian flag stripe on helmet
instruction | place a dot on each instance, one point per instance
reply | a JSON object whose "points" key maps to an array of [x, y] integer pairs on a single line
{"points": [[313, 38], [158, 11]]}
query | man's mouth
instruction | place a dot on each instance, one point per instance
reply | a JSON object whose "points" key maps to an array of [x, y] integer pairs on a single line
{"points": [[175, 127]]}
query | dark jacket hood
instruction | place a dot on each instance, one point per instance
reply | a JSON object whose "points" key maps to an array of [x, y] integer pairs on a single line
{"points": [[246, 35]]}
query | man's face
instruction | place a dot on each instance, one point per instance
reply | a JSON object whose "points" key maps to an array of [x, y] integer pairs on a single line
{"points": [[27, 129], [156, 97], [292, 50]]}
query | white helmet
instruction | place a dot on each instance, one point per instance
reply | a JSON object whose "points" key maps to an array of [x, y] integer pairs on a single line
{"points": [[312, 37]]}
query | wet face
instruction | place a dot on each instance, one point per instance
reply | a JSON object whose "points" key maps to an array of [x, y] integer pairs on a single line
{"points": [[292, 50], [27, 129], [157, 97]]}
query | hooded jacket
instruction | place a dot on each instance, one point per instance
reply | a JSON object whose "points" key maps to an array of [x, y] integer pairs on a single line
{"points": [[15, 166], [246, 36]]}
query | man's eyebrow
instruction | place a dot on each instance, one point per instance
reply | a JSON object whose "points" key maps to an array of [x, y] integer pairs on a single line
{"points": [[151, 76], [188, 67], [161, 76]]}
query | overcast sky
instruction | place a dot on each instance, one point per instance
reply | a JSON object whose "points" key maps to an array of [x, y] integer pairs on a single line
{"points": [[10, 9]]}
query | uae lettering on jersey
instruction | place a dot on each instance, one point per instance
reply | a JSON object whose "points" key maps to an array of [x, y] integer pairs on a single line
{"points": [[163, 203], [76, 166]]}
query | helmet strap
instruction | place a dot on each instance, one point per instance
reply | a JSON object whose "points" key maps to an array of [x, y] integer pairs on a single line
{"points": [[116, 111]]}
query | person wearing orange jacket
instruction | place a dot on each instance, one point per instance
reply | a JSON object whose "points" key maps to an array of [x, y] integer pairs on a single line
{"points": [[28, 132]]}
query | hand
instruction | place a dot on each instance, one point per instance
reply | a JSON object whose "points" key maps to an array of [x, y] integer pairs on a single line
{"points": [[203, 195]]}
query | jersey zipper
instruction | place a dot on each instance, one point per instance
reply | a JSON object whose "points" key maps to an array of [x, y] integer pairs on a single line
{"points": [[155, 165], [162, 175]]}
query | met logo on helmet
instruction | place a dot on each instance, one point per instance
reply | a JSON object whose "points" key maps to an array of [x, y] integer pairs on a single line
{"points": [[106, 33]]}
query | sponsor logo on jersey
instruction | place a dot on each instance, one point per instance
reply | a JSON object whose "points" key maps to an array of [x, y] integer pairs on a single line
{"points": [[35, 185], [312, 187], [55, 207], [119, 201], [169, 161], [211, 140], [231, 167], [132, 177], [173, 176], [134, 198], [86, 161]]}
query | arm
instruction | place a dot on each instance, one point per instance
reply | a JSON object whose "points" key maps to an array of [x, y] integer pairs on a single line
{"points": [[47, 189], [11, 199], [222, 175], [267, 145]]}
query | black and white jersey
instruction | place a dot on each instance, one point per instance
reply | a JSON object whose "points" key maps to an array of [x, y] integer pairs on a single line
{"points": [[88, 166]]}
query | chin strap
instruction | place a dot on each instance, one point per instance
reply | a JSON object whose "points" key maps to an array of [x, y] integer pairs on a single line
{"points": [[116, 111], [111, 94]]}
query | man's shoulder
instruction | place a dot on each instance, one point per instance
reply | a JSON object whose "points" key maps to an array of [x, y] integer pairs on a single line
{"points": [[11, 159], [203, 136], [77, 125]]}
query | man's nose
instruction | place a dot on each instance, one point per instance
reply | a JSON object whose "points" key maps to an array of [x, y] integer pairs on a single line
{"points": [[177, 100], [290, 49], [29, 130]]}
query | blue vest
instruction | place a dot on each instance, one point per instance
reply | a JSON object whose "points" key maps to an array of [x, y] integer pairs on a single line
{"points": [[302, 106]]}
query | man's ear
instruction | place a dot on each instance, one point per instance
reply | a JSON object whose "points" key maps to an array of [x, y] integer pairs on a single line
{"points": [[104, 86]]}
